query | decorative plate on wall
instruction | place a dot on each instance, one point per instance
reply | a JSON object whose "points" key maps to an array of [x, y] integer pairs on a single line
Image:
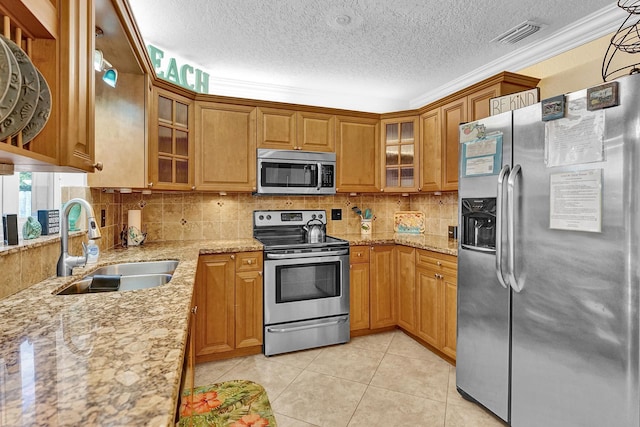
{"points": [[409, 222], [10, 98], [41, 115], [28, 96], [5, 70]]}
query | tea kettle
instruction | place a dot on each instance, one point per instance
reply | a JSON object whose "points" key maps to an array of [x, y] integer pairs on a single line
{"points": [[315, 232]]}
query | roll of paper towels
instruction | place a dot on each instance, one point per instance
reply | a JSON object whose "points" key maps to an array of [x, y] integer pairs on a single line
{"points": [[135, 223], [135, 219]]}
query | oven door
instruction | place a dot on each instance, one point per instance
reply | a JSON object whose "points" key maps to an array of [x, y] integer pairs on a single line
{"points": [[305, 286]]}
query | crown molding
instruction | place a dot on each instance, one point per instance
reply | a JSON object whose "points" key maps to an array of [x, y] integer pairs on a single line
{"points": [[594, 26]]}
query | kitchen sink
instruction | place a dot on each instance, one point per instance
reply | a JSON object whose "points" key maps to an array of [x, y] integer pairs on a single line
{"points": [[136, 268], [132, 275]]}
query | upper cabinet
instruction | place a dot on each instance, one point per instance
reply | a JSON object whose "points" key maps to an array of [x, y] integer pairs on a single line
{"points": [[295, 130], [226, 144], [171, 149], [358, 155], [400, 145], [440, 121], [59, 38], [316, 131], [121, 112]]}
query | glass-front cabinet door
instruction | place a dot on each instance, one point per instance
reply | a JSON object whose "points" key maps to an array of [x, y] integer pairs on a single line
{"points": [[170, 142], [400, 145]]}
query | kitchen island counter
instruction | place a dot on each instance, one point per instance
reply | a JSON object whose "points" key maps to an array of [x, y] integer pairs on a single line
{"points": [[103, 358]]}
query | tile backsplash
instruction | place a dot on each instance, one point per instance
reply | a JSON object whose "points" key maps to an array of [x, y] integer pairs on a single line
{"points": [[200, 216], [197, 216], [203, 216]]}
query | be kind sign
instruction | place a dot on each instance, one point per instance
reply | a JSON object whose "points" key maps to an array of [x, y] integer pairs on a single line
{"points": [[182, 74], [513, 101]]}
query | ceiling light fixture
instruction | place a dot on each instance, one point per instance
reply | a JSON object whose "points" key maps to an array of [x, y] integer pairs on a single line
{"points": [[517, 33], [100, 64]]}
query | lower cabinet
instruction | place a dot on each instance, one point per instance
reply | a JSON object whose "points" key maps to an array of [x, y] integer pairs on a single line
{"points": [[413, 289], [406, 288], [187, 382], [436, 299], [229, 300], [382, 286], [359, 288], [372, 288]]}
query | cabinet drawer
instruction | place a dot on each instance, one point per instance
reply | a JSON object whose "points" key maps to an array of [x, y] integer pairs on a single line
{"points": [[248, 261], [359, 254], [436, 261]]}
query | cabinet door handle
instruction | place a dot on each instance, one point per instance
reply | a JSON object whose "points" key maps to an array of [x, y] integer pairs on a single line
{"points": [[259, 273], [438, 263], [249, 261], [359, 254], [194, 310], [233, 257]]}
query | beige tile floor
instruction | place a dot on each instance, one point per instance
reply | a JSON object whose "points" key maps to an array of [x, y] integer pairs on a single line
{"points": [[378, 380]]}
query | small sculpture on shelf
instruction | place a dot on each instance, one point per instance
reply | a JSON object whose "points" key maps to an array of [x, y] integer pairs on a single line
{"points": [[31, 229]]}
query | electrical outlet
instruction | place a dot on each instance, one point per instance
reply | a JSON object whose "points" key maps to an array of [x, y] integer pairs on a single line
{"points": [[103, 218], [336, 214]]}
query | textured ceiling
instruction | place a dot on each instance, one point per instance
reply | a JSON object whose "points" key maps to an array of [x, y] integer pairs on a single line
{"points": [[371, 55]]}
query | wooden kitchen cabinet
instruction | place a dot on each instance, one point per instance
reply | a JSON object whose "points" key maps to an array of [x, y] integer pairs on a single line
{"points": [[316, 131], [59, 37], [229, 301], [406, 286], [439, 126], [226, 147], [372, 288], [382, 287], [436, 295], [452, 115], [400, 137], [171, 142], [359, 288], [295, 130], [187, 382], [277, 129], [431, 147], [248, 300], [357, 155]]}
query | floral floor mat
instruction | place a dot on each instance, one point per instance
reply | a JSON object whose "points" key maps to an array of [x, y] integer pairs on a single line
{"points": [[237, 403]]}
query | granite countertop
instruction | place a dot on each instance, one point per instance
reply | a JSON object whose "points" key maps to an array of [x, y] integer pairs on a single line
{"points": [[100, 359], [115, 358], [420, 241]]}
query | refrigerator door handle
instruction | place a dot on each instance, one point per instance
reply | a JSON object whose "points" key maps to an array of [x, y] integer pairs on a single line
{"points": [[511, 228], [499, 209]]}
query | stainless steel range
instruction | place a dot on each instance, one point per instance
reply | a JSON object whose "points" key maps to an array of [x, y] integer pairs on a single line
{"points": [[306, 281]]}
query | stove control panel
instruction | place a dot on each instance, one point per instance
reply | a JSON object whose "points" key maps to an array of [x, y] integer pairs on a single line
{"points": [[288, 217]]}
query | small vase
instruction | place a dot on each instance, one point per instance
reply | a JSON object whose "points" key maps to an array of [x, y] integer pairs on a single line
{"points": [[365, 226]]}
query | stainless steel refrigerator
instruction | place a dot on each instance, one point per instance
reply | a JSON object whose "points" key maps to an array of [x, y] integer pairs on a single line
{"points": [[549, 260]]}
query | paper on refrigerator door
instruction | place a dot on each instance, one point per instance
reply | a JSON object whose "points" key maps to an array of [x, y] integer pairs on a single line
{"points": [[576, 201], [577, 138], [482, 156]]}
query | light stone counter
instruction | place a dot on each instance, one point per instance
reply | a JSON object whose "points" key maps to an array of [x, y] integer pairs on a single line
{"points": [[100, 359], [115, 358], [420, 241]]}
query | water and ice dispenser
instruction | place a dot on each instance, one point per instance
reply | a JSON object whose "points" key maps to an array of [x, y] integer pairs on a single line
{"points": [[479, 224]]}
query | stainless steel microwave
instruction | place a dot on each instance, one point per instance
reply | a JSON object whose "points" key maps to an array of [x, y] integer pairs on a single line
{"points": [[296, 172]]}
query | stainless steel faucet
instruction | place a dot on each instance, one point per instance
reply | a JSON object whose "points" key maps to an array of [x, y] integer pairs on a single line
{"points": [[66, 262]]}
